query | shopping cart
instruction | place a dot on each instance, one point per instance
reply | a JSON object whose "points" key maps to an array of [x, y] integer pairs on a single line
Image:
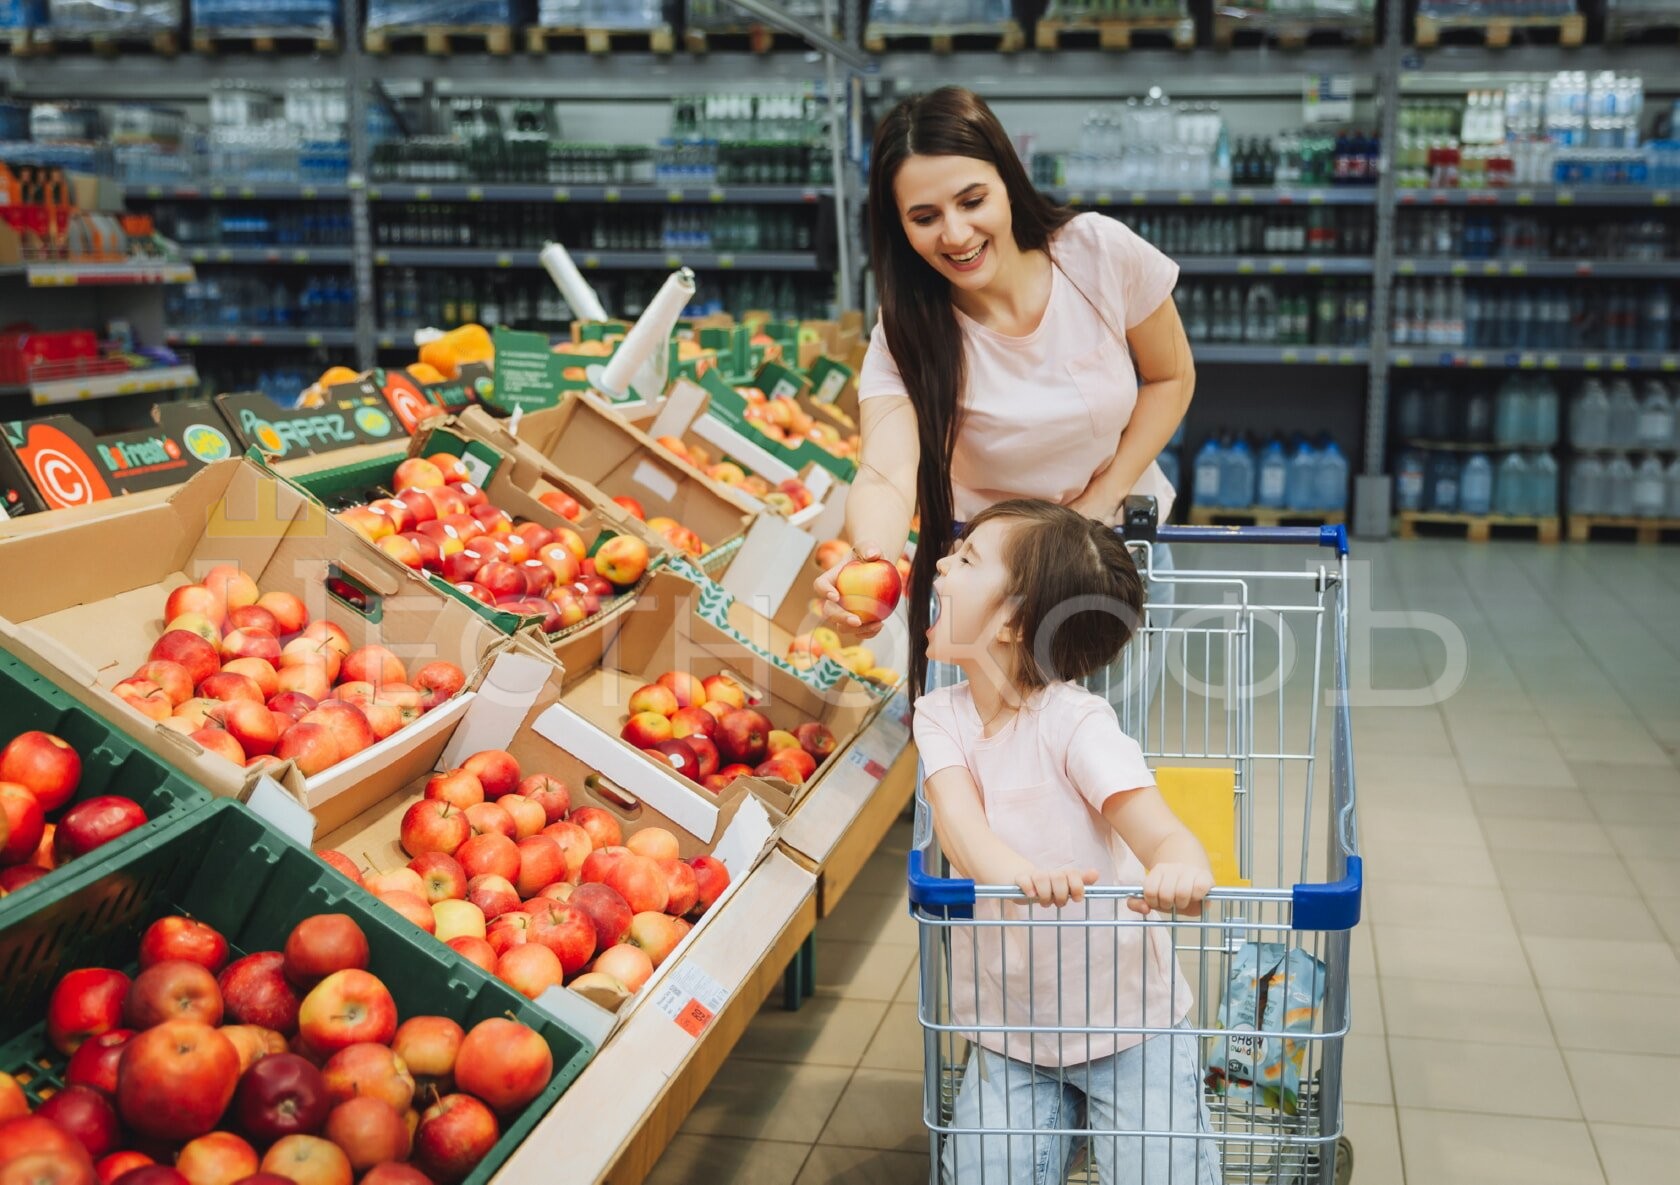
{"points": [[1254, 659]]}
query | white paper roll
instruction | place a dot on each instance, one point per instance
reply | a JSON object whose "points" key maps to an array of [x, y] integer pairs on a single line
{"points": [[580, 297], [650, 334]]}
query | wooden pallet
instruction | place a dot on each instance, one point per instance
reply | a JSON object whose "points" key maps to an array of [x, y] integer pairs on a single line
{"points": [[441, 40], [541, 39], [1239, 32], [1479, 528], [165, 43], [1158, 31], [1262, 516], [1004, 37], [739, 39], [1495, 32], [1642, 28], [20, 43], [210, 42], [1583, 527]]}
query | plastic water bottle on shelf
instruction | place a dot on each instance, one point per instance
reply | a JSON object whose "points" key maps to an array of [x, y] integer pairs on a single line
{"points": [[1511, 412], [1443, 483], [1478, 418], [1589, 419], [1672, 501], [1409, 481], [1274, 476], [1511, 497], [1656, 416], [1618, 486], [1330, 482], [1475, 485], [1303, 475], [1543, 483], [1236, 481], [1650, 488], [1205, 478], [1587, 486], [1624, 415], [1655, 324]]}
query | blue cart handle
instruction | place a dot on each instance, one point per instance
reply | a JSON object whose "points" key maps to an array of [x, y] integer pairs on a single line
{"points": [[1140, 522], [1330, 906]]}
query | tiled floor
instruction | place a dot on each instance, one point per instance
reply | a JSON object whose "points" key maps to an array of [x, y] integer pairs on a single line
{"points": [[1516, 972]]}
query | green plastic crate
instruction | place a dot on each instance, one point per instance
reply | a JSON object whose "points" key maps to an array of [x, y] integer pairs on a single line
{"points": [[226, 867], [111, 764]]}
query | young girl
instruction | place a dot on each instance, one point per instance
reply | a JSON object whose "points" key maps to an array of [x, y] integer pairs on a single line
{"points": [[1032, 783]]}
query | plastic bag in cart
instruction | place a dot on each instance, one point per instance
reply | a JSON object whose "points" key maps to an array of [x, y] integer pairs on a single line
{"points": [[1273, 988]]}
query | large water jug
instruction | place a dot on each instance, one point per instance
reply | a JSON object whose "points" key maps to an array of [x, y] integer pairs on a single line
{"points": [[1443, 483], [1510, 417], [1303, 473], [1543, 408], [1618, 486], [1440, 415], [1673, 499], [1478, 418], [1589, 421], [1209, 468], [1412, 423], [1409, 481], [1236, 478], [1332, 479], [1475, 485], [1650, 488], [1543, 486], [1624, 415], [1511, 497], [1656, 416], [1274, 476], [1587, 492]]}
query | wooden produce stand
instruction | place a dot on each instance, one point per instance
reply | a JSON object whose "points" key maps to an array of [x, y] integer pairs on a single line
{"points": [[616, 1120]]}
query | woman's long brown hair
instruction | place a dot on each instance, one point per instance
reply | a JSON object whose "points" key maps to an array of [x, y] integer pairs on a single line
{"points": [[916, 310]]}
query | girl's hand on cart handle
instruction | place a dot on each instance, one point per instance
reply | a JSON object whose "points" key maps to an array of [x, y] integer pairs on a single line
{"points": [[1173, 888], [1059, 886], [833, 615]]}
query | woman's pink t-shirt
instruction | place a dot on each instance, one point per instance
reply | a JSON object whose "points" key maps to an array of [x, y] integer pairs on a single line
{"points": [[1041, 414], [1043, 780]]}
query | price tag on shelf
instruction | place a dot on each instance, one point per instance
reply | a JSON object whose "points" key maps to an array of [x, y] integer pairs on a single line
{"points": [[611, 194], [591, 261], [1525, 198], [1670, 362], [1186, 198], [725, 262], [673, 260], [1565, 197], [308, 192], [876, 771], [503, 259], [1661, 198], [1327, 98], [1490, 269], [1139, 197], [475, 193], [562, 195], [1221, 198], [1518, 269], [218, 191], [1459, 268], [691, 998], [1592, 362], [1315, 267], [674, 196], [423, 193], [718, 195]]}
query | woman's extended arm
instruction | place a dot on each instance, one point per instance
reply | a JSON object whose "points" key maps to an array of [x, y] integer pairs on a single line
{"points": [[882, 498], [1166, 383]]}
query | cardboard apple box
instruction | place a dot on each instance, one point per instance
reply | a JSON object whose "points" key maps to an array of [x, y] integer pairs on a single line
{"points": [[583, 437], [91, 603], [677, 625], [518, 707]]}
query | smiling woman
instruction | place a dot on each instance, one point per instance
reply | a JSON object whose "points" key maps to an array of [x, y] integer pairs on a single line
{"points": [[1023, 350]]}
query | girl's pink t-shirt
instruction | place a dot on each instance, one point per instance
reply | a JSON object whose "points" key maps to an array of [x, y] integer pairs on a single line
{"points": [[1042, 414], [1043, 781]]}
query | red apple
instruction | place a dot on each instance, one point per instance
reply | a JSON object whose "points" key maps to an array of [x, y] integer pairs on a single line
{"points": [[550, 793], [528, 817], [324, 945], [230, 685], [455, 1133], [85, 1003], [349, 727], [541, 863], [259, 671], [691, 722], [24, 823], [281, 1095], [607, 909], [113, 1167], [504, 1063], [44, 765], [564, 929], [682, 887], [656, 935], [496, 770], [217, 740], [488, 818], [705, 755], [639, 881], [444, 878], [681, 757], [433, 826], [173, 990], [437, 681], [455, 919], [416, 473], [574, 841], [646, 729], [251, 643], [288, 611], [312, 747], [602, 828], [529, 968], [654, 697], [402, 879], [18, 875], [255, 992], [869, 589], [219, 1158], [341, 862], [94, 1063], [319, 652], [194, 598], [475, 950], [628, 964], [199, 657], [372, 1071], [374, 664], [183, 938], [36, 1151], [428, 1046], [391, 1172], [600, 861], [175, 1080], [494, 895], [174, 679], [87, 1115], [509, 930], [413, 907], [723, 688], [309, 1160], [253, 617], [456, 787], [688, 690], [490, 854], [368, 1131], [144, 697], [713, 878], [92, 823], [742, 736], [309, 681], [778, 740], [631, 505], [250, 724], [344, 1009], [233, 586], [816, 739]]}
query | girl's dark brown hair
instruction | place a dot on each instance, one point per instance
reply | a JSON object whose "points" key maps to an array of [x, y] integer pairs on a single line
{"points": [[916, 311], [1077, 595]]}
